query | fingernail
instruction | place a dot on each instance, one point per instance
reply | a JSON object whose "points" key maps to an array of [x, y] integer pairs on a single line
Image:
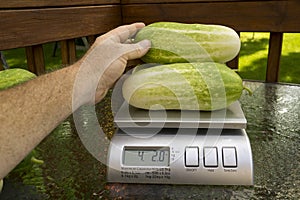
{"points": [[145, 44]]}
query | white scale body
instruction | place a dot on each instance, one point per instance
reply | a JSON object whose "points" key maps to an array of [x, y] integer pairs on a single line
{"points": [[180, 147]]}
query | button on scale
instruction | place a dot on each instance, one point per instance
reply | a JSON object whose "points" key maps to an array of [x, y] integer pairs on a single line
{"points": [[229, 157], [210, 157], [192, 157]]}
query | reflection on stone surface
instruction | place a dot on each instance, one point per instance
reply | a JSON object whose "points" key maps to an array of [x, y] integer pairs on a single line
{"points": [[275, 137]]}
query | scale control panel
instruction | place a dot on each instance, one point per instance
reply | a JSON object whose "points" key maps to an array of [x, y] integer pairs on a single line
{"points": [[204, 156], [211, 157]]}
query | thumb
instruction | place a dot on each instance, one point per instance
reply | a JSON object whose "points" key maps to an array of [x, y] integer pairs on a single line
{"points": [[138, 49]]}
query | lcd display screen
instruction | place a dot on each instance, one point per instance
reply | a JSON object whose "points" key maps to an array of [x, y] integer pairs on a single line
{"points": [[146, 156]]}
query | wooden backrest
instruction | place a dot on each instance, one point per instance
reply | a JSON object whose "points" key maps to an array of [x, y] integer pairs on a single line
{"points": [[34, 22]]}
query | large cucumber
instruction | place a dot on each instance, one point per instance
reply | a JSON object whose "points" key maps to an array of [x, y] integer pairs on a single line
{"points": [[14, 76], [178, 42], [186, 86]]}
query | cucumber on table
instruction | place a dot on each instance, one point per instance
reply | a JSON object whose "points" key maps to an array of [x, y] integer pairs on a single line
{"points": [[183, 86]]}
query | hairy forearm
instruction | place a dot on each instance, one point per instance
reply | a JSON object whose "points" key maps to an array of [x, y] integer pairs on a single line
{"points": [[29, 112]]}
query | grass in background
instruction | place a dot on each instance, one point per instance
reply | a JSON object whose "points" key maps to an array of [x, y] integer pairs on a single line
{"points": [[16, 58], [253, 57], [252, 64]]}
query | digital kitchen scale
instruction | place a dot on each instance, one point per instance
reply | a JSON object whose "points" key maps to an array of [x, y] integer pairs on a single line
{"points": [[180, 147]]}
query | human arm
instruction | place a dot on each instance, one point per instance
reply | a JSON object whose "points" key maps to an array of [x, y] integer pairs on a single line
{"points": [[29, 112]]}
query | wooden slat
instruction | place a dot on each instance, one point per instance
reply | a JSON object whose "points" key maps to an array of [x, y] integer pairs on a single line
{"points": [[175, 1], [234, 64], [52, 3], [64, 52], [35, 59], [72, 51], [263, 16], [21, 28], [1, 66], [91, 39], [275, 47], [2, 61], [68, 52]]}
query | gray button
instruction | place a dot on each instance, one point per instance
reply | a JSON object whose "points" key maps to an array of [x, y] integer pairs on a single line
{"points": [[229, 157], [191, 157], [210, 156]]}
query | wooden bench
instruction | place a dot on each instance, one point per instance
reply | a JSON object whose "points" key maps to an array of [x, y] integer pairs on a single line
{"points": [[31, 23]]}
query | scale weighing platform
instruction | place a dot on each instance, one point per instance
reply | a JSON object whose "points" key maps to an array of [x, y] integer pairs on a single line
{"points": [[180, 147]]}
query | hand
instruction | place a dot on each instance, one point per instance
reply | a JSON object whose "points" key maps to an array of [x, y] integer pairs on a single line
{"points": [[105, 62]]}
